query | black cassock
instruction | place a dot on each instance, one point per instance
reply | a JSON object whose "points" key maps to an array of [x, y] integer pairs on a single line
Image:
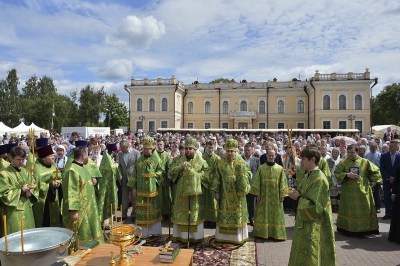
{"points": [[394, 233]]}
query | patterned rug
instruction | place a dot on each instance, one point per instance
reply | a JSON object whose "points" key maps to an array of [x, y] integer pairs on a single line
{"points": [[206, 255]]}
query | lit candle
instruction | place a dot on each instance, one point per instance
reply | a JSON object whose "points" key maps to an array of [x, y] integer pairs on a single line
{"points": [[22, 235], [5, 232], [120, 209], [111, 216]]}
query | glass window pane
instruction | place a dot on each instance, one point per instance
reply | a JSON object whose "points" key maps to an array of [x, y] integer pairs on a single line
{"points": [[326, 103], [342, 102]]}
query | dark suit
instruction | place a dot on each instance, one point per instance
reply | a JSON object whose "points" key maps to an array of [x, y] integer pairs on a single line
{"points": [[250, 198], [388, 170], [278, 159], [126, 170]]}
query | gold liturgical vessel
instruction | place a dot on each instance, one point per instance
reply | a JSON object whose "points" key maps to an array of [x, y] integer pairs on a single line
{"points": [[122, 236]]}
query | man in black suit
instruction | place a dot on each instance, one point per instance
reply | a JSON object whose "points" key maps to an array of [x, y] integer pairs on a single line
{"points": [[278, 158], [388, 164]]}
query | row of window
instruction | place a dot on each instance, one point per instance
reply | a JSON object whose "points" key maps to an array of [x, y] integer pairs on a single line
{"points": [[243, 107], [152, 105], [326, 102], [261, 125], [343, 125], [325, 125], [152, 125], [326, 105]]}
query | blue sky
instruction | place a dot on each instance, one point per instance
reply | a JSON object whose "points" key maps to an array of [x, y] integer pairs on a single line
{"points": [[106, 43]]}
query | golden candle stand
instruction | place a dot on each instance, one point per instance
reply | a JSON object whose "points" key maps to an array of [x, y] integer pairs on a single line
{"points": [[290, 156], [122, 236], [31, 163]]}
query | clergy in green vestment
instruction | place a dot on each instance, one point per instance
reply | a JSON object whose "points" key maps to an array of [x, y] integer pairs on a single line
{"points": [[231, 183], [3, 157], [313, 237], [190, 173], [163, 189], [357, 212], [48, 178], [107, 195], [90, 165], [145, 180], [17, 192], [80, 213], [270, 187], [323, 166], [210, 203]]}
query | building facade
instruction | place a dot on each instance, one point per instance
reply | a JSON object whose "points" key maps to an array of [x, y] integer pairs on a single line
{"points": [[326, 101]]}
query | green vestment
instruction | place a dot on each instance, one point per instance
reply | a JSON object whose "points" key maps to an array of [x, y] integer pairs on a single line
{"points": [[107, 194], [79, 195], [323, 166], [357, 212], [3, 164], [15, 205], [164, 182], [313, 237], [30, 161], [146, 178], [210, 203], [44, 176], [270, 185], [232, 183], [188, 182]]}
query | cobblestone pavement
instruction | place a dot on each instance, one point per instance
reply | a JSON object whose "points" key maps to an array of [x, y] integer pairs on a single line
{"points": [[374, 250]]}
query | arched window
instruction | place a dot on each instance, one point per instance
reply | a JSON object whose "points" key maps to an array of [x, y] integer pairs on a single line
{"points": [[164, 104], [261, 107], [139, 105], [225, 107], [207, 107], [358, 102], [152, 105], [326, 105], [243, 106], [190, 108], [300, 106], [342, 102], [281, 107]]}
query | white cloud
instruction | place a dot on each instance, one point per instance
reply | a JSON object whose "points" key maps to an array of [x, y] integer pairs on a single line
{"points": [[136, 33], [252, 40], [116, 69]]}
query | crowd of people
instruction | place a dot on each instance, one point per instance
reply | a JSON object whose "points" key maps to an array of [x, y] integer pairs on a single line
{"points": [[205, 180]]}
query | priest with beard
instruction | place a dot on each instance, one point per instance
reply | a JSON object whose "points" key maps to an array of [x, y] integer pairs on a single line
{"points": [[80, 211], [145, 180], [47, 209], [231, 184], [189, 173]]}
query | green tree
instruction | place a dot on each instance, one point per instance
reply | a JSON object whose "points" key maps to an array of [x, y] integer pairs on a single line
{"points": [[224, 80], [10, 100], [39, 97], [116, 113], [91, 105], [385, 106]]}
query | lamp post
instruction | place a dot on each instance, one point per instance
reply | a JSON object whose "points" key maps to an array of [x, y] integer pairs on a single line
{"points": [[142, 118], [351, 118]]}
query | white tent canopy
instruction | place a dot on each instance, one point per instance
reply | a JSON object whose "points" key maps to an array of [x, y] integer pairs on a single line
{"points": [[23, 129], [20, 128], [381, 129], [4, 128], [39, 129]]}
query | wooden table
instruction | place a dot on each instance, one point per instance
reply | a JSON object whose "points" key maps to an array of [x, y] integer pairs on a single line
{"points": [[101, 255]]}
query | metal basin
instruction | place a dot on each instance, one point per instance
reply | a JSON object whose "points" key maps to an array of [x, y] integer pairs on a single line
{"points": [[42, 246]]}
